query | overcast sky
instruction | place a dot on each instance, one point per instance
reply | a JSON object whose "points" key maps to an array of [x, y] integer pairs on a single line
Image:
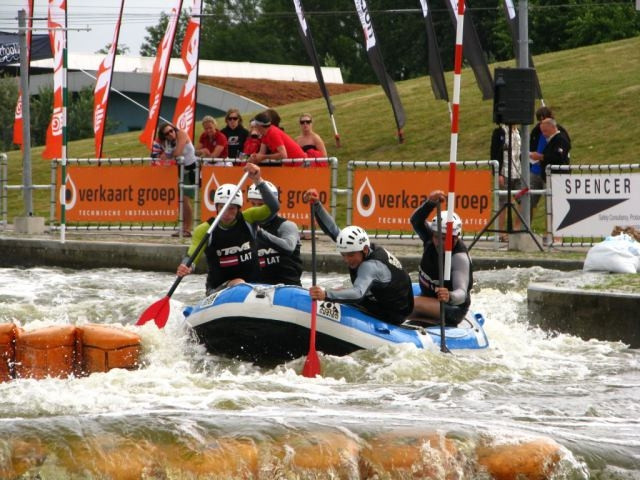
{"points": [[98, 15]]}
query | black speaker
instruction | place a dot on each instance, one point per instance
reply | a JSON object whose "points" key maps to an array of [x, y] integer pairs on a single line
{"points": [[514, 95]]}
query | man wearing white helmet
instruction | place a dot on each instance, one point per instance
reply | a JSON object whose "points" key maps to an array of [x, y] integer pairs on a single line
{"points": [[278, 243], [231, 252], [456, 292], [380, 285]]}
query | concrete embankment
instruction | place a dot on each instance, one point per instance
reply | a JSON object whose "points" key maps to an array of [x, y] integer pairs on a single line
{"points": [[157, 256]]}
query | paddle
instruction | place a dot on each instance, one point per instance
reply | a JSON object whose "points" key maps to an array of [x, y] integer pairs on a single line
{"points": [[312, 363], [443, 341], [159, 311]]}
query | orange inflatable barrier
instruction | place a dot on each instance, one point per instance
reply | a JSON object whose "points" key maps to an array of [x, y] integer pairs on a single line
{"points": [[535, 460], [101, 348], [63, 350], [7, 350], [45, 352]]}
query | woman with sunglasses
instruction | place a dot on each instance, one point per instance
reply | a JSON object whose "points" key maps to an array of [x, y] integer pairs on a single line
{"points": [[235, 132], [170, 144], [309, 140]]}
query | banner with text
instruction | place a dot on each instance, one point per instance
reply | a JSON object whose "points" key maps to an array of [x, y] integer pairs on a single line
{"points": [[591, 205], [385, 199], [291, 183], [119, 194]]}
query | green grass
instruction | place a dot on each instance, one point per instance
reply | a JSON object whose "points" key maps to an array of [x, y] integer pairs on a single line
{"points": [[594, 92], [623, 282]]}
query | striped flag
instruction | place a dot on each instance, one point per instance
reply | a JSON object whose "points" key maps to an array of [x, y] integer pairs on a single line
{"points": [[307, 40], [17, 123], [185, 113], [159, 76], [377, 63], [436, 70], [57, 23], [512, 21], [102, 89], [473, 52]]}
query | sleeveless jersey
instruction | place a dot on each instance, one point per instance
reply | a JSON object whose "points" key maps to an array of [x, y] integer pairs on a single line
{"points": [[392, 301], [276, 267], [231, 254], [429, 276]]}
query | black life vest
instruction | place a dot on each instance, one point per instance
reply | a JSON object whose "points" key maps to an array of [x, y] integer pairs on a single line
{"points": [[277, 267], [429, 276], [231, 253], [391, 301]]}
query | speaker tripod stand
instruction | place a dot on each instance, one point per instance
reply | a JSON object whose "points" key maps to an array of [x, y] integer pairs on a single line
{"points": [[509, 206]]}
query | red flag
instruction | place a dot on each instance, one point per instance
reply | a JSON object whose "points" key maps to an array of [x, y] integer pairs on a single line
{"points": [[184, 116], [159, 76], [17, 123], [102, 89], [57, 23]]}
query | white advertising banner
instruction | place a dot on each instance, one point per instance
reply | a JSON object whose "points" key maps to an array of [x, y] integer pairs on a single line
{"points": [[592, 204]]}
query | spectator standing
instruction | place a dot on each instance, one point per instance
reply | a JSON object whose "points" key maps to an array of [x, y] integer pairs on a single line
{"points": [[309, 140], [212, 142], [537, 143], [235, 132], [253, 142], [500, 152], [170, 144], [275, 140]]}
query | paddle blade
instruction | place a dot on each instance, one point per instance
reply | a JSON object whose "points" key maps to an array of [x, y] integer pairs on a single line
{"points": [[158, 312], [311, 367]]}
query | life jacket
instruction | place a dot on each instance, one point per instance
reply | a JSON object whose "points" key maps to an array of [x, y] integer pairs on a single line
{"points": [[277, 267], [391, 301], [231, 253], [429, 276]]}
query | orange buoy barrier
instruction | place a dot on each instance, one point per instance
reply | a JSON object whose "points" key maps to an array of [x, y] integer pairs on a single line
{"points": [[409, 455], [45, 352], [63, 350], [535, 460], [292, 455], [101, 348], [7, 350]]}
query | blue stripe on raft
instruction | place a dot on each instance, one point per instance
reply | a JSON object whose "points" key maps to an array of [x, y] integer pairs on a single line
{"points": [[298, 298]]}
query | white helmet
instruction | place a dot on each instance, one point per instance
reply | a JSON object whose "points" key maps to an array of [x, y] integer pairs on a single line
{"points": [[223, 194], [457, 223], [352, 239], [254, 192]]}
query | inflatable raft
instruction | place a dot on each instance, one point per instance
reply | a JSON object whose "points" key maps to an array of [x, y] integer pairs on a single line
{"points": [[268, 324]]}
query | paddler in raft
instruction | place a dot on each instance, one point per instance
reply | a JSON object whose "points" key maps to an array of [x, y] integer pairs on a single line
{"points": [[278, 241], [381, 287], [455, 294], [232, 255]]}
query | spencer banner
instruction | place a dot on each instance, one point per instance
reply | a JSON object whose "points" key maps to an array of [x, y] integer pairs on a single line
{"points": [[385, 199], [592, 205], [291, 184], [120, 194]]}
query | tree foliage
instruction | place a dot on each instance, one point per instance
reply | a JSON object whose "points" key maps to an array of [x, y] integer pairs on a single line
{"points": [[265, 31]]}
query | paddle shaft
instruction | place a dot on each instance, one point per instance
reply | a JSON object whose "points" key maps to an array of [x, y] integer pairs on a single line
{"points": [[210, 230], [443, 342], [312, 340]]}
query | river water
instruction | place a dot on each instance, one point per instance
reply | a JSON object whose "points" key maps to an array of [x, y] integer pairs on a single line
{"points": [[528, 385]]}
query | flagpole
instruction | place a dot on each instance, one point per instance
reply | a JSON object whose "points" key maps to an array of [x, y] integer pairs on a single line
{"points": [[63, 181], [24, 99], [453, 154]]}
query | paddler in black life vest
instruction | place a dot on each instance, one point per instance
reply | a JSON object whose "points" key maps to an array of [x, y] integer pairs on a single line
{"points": [[231, 252], [380, 285], [456, 292], [278, 242]]}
